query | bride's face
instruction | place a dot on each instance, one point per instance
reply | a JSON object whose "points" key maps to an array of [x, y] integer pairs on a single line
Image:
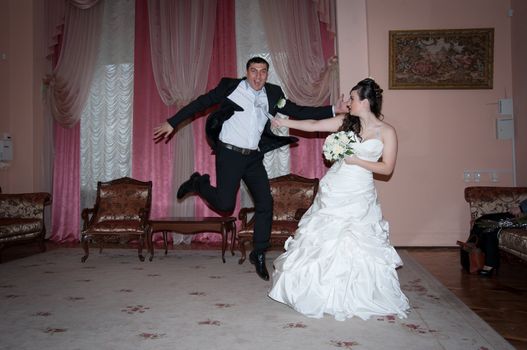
{"points": [[355, 105]]}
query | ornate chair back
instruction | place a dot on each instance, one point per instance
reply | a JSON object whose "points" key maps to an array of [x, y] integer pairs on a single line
{"points": [[122, 208], [292, 196]]}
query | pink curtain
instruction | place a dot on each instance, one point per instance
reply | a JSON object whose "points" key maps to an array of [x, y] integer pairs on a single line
{"points": [[55, 10], [153, 161], [65, 207], [306, 156], [150, 161], [181, 36], [73, 54], [327, 14], [293, 34], [302, 51], [83, 4], [223, 64]]}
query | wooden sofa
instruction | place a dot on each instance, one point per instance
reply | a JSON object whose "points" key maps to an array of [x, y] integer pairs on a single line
{"points": [[22, 218], [488, 200]]}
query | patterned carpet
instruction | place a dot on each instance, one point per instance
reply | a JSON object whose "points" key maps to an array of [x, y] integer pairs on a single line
{"points": [[191, 300]]}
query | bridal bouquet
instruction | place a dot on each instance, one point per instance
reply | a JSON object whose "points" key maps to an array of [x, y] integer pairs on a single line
{"points": [[338, 145]]}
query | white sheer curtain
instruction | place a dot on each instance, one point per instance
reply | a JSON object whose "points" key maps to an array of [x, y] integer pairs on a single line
{"points": [[106, 121], [251, 41], [70, 81], [181, 41], [293, 34]]}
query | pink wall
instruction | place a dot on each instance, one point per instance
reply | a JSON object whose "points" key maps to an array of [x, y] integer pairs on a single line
{"points": [[4, 79], [352, 19], [519, 83], [19, 111], [441, 132], [21, 105]]}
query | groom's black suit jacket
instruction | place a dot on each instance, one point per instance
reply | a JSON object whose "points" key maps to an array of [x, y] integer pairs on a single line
{"points": [[218, 95]]}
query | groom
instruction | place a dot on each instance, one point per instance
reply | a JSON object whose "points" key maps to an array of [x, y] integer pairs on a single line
{"points": [[239, 132]]}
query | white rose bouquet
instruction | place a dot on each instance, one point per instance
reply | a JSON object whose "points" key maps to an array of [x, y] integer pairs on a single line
{"points": [[339, 145]]}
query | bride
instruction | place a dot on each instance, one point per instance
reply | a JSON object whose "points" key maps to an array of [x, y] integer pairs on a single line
{"points": [[340, 261]]}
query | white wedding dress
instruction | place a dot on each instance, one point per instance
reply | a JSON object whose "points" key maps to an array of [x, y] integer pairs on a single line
{"points": [[340, 261]]}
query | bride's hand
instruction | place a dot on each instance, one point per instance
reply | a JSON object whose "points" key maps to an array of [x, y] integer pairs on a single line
{"points": [[350, 160], [277, 122]]}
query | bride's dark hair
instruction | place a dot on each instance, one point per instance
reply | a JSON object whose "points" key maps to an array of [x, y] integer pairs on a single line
{"points": [[366, 88]]}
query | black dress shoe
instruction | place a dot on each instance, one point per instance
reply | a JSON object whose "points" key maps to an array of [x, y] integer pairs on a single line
{"points": [[486, 272], [188, 186], [258, 260]]}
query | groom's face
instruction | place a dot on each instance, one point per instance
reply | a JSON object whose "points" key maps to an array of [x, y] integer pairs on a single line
{"points": [[257, 75]]}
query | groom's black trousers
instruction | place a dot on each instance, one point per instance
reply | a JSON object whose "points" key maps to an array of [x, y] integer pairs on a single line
{"points": [[231, 167]]}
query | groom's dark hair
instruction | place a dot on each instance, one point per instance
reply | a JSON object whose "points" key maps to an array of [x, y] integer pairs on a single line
{"points": [[256, 59]]}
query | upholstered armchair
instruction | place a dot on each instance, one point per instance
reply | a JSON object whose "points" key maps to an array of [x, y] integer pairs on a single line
{"points": [[22, 218], [292, 196], [122, 209]]}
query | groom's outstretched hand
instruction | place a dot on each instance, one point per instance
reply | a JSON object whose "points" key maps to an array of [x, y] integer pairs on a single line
{"points": [[162, 131], [342, 106]]}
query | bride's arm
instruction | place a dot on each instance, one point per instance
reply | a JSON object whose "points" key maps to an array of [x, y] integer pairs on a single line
{"points": [[389, 154], [330, 124]]}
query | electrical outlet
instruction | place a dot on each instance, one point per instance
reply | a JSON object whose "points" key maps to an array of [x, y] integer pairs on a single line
{"points": [[494, 177]]}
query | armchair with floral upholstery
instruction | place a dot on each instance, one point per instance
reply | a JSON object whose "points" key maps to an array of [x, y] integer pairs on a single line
{"points": [[22, 218], [292, 196], [122, 209]]}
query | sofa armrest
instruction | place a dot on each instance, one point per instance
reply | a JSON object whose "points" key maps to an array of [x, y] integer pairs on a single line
{"points": [[490, 199]]}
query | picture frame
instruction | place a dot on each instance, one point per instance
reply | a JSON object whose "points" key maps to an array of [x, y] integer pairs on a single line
{"points": [[441, 59]]}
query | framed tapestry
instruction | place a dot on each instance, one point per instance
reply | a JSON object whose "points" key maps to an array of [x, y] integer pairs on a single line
{"points": [[441, 59]]}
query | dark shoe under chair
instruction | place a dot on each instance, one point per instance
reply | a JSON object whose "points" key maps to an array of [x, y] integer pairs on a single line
{"points": [[188, 186], [258, 260]]}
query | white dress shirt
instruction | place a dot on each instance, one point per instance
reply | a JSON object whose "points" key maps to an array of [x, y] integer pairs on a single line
{"points": [[245, 128]]}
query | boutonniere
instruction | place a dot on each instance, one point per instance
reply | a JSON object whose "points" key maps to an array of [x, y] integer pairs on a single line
{"points": [[281, 103]]}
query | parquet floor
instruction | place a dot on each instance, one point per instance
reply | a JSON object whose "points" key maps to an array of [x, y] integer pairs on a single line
{"points": [[501, 300]]}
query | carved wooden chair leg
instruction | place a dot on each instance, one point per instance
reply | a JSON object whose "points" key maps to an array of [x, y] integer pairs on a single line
{"points": [[140, 249], [224, 237], [84, 242], [150, 243], [165, 243], [233, 236], [241, 246]]}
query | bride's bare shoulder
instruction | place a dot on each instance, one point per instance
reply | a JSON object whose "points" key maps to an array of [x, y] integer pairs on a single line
{"points": [[387, 127], [387, 132]]}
